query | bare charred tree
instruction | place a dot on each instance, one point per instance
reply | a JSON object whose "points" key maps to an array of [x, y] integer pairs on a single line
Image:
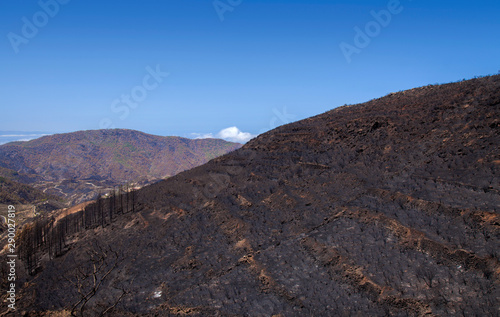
{"points": [[426, 274], [120, 195], [27, 250], [127, 198], [100, 209], [59, 239], [90, 277], [133, 200], [48, 235], [38, 234], [84, 218], [111, 204]]}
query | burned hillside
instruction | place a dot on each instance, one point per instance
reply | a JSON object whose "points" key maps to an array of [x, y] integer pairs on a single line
{"points": [[390, 207]]}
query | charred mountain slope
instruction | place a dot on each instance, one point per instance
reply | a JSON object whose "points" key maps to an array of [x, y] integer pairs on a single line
{"points": [[385, 208]]}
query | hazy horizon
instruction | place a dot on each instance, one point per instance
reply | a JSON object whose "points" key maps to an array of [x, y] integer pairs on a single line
{"points": [[16, 136]]}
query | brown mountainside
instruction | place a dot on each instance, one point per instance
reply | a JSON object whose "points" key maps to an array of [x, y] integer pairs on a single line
{"points": [[12, 192], [76, 165], [388, 208]]}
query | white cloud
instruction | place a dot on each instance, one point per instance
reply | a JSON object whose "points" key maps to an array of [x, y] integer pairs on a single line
{"points": [[232, 134], [202, 135]]}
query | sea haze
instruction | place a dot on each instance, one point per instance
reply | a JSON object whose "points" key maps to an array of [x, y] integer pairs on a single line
{"points": [[11, 136]]}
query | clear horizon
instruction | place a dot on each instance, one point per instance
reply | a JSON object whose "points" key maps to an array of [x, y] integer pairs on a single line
{"points": [[229, 69]]}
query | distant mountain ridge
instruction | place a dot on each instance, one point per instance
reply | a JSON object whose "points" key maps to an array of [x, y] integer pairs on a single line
{"points": [[104, 158]]}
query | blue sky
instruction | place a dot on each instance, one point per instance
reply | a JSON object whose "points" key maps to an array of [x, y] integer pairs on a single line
{"points": [[251, 64]]}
